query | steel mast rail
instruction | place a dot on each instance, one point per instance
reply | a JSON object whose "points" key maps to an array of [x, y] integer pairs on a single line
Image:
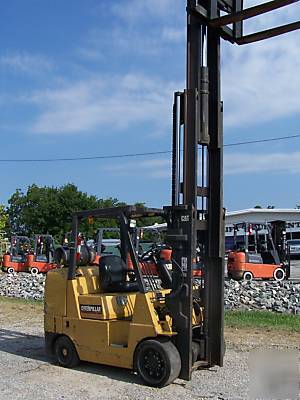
{"points": [[209, 10], [196, 217]]}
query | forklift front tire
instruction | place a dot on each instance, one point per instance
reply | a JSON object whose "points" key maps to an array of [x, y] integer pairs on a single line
{"points": [[248, 276], [279, 274], [157, 362], [10, 270], [65, 352], [34, 271]]}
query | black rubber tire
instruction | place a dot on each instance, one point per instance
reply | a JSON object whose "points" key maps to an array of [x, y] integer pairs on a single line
{"points": [[10, 270], [195, 351], [65, 352], [160, 358], [34, 271], [279, 274], [247, 276]]}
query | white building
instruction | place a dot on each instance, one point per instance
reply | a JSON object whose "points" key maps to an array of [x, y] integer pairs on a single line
{"points": [[263, 215], [260, 216]]}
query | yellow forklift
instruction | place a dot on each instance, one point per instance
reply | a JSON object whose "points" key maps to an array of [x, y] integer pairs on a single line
{"points": [[163, 328]]}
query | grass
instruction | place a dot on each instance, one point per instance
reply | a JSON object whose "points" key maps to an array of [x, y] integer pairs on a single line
{"points": [[233, 319], [16, 300], [262, 319]]}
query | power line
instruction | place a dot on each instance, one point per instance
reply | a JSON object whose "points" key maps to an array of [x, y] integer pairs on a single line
{"points": [[105, 157], [86, 158], [263, 140]]}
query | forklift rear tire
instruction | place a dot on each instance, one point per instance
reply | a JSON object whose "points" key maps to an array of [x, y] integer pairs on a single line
{"points": [[34, 271], [279, 274], [10, 270], [157, 362], [248, 276], [65, 352]]}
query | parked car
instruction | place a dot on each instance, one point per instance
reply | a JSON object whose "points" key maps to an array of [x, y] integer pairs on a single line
{"points": [[294, 245]]}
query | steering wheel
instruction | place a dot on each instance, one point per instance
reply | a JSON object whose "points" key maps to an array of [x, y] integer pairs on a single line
{"points": [[146, 255]]}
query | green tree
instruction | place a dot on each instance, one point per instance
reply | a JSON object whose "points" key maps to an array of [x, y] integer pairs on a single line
{"points": [[3, 218], [49, 210]]}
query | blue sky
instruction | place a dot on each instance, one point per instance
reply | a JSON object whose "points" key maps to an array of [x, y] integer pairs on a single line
{"points": [[96, 77]]}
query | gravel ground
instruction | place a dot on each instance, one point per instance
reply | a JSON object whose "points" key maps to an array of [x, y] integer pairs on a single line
{"points": [[26, 373]]}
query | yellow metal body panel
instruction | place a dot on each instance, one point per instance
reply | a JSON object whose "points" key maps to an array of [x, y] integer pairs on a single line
{"points": [[105, 327], [113, 306], [87, 279], [55, 300]]}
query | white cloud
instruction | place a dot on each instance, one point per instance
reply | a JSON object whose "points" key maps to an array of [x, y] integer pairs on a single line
{"points": [[144, 28], [32, 64], [135, 9], [173, 34], [245, 163], [104, 103], [234, 164], [156, 168], [261, 81]]}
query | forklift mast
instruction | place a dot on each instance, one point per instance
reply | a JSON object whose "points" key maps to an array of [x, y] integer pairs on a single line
{"points": [[278, 232], [44, 244], [196, 216]]}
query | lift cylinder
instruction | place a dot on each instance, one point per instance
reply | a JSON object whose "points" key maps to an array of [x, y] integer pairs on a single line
{"points": [[204, 107]]}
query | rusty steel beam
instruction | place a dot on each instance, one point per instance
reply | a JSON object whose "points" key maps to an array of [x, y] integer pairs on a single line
{"points": [[250, 12], [269, 33]]}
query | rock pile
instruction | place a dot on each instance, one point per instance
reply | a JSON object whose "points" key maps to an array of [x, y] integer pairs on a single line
{"points": [[22, 285], [282, 297]]}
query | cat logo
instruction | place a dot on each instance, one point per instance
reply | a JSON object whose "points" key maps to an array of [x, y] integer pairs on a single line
{"points": [[185, 218], [91, 311]]}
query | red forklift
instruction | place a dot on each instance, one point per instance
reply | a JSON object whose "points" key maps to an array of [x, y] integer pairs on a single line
{"points": [[151, 241], [111, 246], [16, 258], [149, 244], [42, 258], [260, 252]]}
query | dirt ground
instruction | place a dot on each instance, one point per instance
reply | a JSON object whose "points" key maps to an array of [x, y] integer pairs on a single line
{"points": [[27, 373]]}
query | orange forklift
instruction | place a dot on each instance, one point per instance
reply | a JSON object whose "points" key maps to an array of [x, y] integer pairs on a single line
{"points": [[260, 252], [150, 248], [104, 246], [42, 258], [15, 260]]}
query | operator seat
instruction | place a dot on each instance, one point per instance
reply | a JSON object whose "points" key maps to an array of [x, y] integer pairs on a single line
{"points": [[112, 275]]}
